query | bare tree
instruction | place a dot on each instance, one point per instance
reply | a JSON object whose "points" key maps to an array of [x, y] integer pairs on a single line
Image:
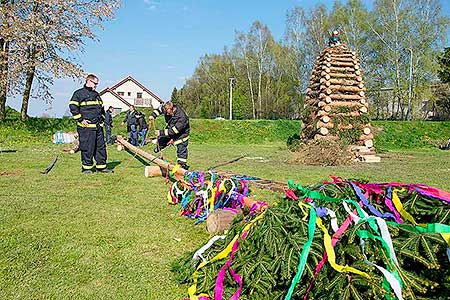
{"points": [[45, 37], [243, 47], [261, 38]]}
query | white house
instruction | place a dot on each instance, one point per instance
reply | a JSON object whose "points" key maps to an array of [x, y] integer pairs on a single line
{"points": [[128, 92]]}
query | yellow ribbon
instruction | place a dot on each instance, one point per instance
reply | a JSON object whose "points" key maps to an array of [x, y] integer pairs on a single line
{"points": [[331, 255], [399, 206]]}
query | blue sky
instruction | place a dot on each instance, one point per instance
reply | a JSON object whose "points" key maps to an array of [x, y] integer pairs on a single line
{"points": [[160, 42]]}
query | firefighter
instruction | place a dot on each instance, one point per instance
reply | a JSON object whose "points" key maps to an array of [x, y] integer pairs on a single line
{"points": [[176, 132], [87, 109], [109, 125]]}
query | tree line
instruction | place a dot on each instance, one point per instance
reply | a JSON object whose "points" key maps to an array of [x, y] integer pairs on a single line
{"points": [[398, 43], [40, 41]]}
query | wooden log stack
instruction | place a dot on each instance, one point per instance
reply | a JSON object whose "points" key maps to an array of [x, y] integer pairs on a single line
{"points": [[336, 91]]}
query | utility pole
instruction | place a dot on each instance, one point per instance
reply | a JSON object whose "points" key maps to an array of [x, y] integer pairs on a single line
{"points": [[231, 97], [408, 113]]}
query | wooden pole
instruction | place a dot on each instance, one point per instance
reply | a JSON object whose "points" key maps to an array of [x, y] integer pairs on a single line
{"points": [[163, 164]]}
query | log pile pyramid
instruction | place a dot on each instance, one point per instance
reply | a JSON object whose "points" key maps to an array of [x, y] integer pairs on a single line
{"points": [[335, 105]]}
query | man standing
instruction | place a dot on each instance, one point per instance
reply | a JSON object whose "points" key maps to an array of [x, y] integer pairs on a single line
{"points": [[142, 127], [131, 121], [86, 107], [109, 125], [176, 132]]}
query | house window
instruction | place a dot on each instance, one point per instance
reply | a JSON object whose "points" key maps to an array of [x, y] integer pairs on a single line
{"points": [[120, 93], [129, 93], [139, 95]]}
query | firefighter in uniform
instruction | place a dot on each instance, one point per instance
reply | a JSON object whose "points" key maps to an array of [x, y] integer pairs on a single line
{"points": [[87, 109], [176, 132]]}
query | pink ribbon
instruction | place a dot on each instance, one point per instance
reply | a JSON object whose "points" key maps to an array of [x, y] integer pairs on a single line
{"points": [[218, 291]]}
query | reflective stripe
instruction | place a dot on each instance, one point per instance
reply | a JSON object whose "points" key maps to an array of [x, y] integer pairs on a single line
{"points": [[84, 103], [156, 112], [74, 103], [175, 129], [89, 125], [182, 159], [77, 116], [87, 167], [101, 166], [166, 131], [180, 141]]}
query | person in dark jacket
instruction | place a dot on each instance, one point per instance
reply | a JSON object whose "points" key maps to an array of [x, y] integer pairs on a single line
{"points": [[142, 127], [131, 121], [109, 125], [87, 109], [176, 132], [334, 38]]}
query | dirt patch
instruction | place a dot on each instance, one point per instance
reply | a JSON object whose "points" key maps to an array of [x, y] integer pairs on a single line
{"points": [[322, 153], [11, 173]]}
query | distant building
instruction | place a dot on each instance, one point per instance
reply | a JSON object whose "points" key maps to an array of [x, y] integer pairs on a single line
{"points": [[128, 92]]}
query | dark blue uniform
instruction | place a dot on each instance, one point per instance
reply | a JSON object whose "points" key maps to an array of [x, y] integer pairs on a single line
{"points": [[177, 129], [86, 104], [108, 128]]}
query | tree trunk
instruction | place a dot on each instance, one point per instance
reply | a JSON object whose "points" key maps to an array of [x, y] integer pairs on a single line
{"points": [[249, 77], [27, 91], [259, 92], [4, 51]]}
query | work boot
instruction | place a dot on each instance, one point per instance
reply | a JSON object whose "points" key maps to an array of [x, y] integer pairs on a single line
{"points": [[184, 166], [87, 171], [109, 171]]}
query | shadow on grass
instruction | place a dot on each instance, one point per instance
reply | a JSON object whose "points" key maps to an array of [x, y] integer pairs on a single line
{"points": [[112, 164], [138, 158]]}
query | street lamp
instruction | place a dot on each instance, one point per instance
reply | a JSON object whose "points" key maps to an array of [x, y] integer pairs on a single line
{"points": [[231, 97]]}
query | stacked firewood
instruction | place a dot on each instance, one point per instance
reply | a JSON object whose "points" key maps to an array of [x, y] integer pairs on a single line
{"points": [[336, 102]]}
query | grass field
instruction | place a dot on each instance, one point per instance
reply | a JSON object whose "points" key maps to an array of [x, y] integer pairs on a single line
{"points": [[66, 235]]}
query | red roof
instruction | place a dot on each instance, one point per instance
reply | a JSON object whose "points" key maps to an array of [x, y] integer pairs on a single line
{"points": [[129, 78], [115, 95]]}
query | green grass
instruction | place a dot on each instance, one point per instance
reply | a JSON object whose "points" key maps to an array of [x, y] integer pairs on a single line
{"points": [[388, 134], [66, 235], [71, 236]]}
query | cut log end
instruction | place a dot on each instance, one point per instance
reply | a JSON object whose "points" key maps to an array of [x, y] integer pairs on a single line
{"points": [[323, 131], [152, 171], [368, 143], [220, 220]]}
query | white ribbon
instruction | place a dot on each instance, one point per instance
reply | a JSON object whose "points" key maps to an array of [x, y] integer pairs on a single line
{"points": [[387, 237], [199, 253], [334, 223], [393, 282]]}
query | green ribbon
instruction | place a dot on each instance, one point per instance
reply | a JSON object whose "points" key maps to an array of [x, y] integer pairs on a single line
{"points": [[305, 251]]}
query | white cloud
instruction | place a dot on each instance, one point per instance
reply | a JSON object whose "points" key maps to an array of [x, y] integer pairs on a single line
{"points": [[152, 4]]}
